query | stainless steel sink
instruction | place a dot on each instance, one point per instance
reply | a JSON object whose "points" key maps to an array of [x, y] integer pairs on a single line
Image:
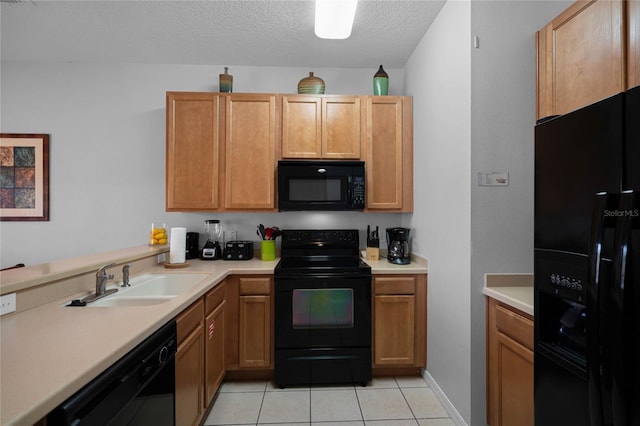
{"points": [[150, 289]]}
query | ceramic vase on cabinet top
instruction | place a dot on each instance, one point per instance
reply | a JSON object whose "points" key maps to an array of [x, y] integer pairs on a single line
{"points": [[380, 82], [311, 85], [226, 81]]}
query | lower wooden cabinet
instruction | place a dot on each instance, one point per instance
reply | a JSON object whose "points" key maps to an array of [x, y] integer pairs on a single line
{"points": [[190, 365], [250, 322], [200, 361], [214, 331], [400, 321], [509, 366]]}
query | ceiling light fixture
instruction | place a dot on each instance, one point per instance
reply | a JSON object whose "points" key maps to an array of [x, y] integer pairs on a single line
{"points": [[334, 18]]}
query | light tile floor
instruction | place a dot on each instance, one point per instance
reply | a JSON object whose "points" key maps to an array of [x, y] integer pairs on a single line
{"points": [[389, 401]]}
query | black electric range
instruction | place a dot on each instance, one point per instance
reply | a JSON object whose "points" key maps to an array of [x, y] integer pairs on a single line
{"points": [[323, 309]]}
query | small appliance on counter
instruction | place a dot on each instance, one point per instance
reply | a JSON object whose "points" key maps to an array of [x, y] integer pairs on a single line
{"points": [[398, 246], [193, 245], [211, 249], [238, 250]]}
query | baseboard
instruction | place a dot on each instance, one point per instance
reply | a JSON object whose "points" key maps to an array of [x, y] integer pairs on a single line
{"points": [[448, 406]]}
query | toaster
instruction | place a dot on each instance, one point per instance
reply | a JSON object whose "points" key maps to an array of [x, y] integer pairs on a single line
{"points": [[238, 250]]}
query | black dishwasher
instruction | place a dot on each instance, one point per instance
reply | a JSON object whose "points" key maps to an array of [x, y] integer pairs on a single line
{"points": [[139, 389]]}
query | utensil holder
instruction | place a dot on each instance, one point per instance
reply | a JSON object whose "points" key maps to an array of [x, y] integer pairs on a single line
{"points": [[373, 253], [268, 250]]}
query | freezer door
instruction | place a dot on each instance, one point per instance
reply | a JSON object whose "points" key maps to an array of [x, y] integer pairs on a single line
{"points": [[576, 156]]}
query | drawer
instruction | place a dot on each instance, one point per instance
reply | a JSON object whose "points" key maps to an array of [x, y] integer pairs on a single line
{"points": [[255, 286], [189, 319], [395, 285], [214, 297], [514, 325]]}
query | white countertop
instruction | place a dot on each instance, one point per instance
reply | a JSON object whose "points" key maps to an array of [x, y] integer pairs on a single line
{"points": [[515, 290], [51, 351]]}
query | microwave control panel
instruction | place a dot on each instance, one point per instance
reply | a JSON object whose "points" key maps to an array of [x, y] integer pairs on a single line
{"points": [[358, 190]]}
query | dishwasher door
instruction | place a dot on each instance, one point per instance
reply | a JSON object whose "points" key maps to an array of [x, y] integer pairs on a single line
{"points": [[139, 389]]}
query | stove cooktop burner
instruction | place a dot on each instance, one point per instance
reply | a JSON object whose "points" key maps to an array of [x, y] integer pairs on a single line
{"points": [[321, 251]]}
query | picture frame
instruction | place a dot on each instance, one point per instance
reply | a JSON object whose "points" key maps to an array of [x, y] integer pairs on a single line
{"points": [[24, 177]]}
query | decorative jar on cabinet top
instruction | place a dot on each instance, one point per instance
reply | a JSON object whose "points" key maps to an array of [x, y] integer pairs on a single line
{"points": [[381, 82], [311, 85]]}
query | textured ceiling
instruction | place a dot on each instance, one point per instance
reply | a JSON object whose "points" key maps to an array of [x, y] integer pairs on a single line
{"points": [[235, 32]]}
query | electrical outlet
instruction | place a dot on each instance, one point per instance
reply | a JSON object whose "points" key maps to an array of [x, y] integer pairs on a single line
{"points": [[7, 303], [232, 235], [162, 257]]}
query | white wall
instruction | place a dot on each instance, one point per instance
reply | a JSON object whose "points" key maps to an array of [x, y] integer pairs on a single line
{"points": [[438, 77], [503, 99], [107, 151], [474, 110]]}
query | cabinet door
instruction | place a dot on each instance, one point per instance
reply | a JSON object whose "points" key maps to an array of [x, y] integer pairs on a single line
{"points": [[192, 166], [341, 127], [394, 330], [515, 375], [214, 352], [509, 366], [189, 373], [389, 157], [250, 157], [581, 57], [633, 41], [255, 331], [301, 127]]}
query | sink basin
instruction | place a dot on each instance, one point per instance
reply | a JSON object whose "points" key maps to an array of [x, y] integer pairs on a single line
{"points": [[129, 301], [150, 289], [160, 285]]}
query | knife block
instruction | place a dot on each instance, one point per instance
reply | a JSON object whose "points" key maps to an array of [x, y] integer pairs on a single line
{"points": [[373, 253]]}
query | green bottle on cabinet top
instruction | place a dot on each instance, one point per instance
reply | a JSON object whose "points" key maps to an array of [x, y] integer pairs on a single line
{"points": [[380, 82], [226, 81]]}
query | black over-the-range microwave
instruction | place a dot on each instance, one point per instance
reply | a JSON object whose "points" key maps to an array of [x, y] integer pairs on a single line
{"points": [[320, 185]]}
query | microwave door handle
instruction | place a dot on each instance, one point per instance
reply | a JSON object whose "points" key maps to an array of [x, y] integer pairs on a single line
{"points": [[349, 191]]}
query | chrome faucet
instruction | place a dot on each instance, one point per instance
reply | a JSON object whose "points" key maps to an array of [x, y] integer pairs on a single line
{"points": [[125, 275], [101, 285], [101, 279]]}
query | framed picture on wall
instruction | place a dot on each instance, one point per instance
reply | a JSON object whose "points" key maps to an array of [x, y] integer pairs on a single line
{"points": [[24, 177]]}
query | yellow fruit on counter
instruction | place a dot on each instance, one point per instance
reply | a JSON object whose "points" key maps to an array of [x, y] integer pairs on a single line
{"points": [[153, 242], [160, 235], [162, 241]]}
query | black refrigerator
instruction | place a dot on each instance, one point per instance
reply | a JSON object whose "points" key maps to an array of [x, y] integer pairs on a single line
{"points": [[587, 266]]}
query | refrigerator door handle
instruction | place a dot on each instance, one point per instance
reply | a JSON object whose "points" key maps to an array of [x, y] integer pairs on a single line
{"points": [[595, 294], [621, 316]]}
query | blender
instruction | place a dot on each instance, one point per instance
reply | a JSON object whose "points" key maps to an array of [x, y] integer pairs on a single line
{"points": [[211, 249]]}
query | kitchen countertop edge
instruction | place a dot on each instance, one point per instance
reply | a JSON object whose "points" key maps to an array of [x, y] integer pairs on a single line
{"points": [[515, 290]]}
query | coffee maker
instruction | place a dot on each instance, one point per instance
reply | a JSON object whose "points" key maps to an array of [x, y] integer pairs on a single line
{"points": [[398, 246]]}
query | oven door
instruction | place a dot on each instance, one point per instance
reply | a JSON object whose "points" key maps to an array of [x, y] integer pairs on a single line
{"points": [[322, 311]]}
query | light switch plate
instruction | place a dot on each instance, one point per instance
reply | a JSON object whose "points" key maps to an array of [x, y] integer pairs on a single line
{"points": [[493, 178], [7, 303]]}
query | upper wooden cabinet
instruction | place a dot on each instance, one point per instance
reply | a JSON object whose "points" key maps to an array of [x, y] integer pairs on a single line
{"points": [[250, 152], [328, 127], [389, 153], [582, 55], [221, 151], [193, 151], [633, 41]]}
